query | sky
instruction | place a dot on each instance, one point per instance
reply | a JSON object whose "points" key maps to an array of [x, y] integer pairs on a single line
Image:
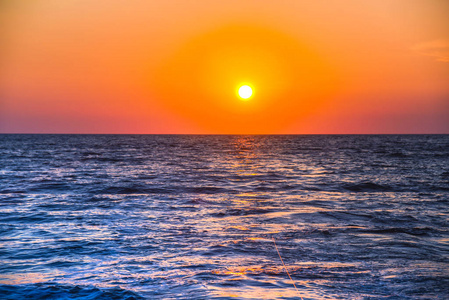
{"points": [[174, 67]]}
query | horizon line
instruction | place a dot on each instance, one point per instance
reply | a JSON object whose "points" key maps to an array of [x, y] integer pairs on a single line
{"points": [[217, 134]]}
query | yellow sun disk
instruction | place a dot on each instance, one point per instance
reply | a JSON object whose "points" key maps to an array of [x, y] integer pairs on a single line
{"points": [[245, 91]]}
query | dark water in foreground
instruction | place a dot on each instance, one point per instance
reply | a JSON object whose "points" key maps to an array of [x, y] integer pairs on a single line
{"points": [[194, 217]]}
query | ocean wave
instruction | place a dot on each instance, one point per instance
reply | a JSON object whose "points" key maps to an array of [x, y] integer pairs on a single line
{"points": [[59, 291], [367, 186]]}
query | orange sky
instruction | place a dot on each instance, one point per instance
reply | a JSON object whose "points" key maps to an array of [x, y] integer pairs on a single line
{"points": [[110, 66]]}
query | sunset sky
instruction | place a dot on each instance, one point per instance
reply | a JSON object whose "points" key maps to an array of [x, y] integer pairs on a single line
{"points": [[315, 67]]}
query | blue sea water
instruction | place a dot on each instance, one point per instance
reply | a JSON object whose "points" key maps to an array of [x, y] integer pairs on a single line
{"points": [[200, 217]]}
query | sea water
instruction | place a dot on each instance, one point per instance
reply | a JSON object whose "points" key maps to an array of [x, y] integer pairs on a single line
{"points": [[203, 217]]}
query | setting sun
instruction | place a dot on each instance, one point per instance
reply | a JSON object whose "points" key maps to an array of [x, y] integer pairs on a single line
{"points": [[245, 91]]}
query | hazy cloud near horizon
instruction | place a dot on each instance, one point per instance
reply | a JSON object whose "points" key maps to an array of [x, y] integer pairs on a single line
{"points": [[439, 49]]}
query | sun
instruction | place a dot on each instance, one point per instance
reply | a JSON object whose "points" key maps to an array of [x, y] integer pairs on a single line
{"points": [[245, 91]]}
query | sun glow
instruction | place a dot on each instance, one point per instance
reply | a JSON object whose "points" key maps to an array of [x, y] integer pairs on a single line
{"points": [[218, 75], [245, 91]]}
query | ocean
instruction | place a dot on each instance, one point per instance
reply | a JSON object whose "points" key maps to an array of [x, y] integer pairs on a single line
{"points": [[224, 217]]}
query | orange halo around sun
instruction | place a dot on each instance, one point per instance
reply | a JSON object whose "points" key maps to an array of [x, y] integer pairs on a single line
{"points": [[202, 80]]}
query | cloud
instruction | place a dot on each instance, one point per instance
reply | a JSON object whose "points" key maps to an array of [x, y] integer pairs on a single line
{"points": [[439, 49]]}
